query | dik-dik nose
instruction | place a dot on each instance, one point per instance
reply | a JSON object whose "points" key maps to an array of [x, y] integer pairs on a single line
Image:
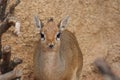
{"points": [[51, 45]]}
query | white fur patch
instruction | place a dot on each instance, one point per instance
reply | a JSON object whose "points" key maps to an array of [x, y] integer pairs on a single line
{"points": [[17, 28]]}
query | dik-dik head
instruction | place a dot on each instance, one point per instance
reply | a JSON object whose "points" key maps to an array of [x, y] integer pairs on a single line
{"points": [[50, 32]]}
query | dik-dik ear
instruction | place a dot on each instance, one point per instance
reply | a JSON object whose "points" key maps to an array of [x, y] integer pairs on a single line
{"points": [[37, 22], [63, 23]]}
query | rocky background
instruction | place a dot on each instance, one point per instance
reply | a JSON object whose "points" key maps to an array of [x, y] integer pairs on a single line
{"points": [[96, 24]]}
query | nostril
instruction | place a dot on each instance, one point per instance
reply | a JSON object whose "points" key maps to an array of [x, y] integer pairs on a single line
{"points": [[51, 45]]}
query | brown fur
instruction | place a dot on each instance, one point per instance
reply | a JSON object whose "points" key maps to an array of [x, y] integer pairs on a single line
{"points": [[63, 62]]}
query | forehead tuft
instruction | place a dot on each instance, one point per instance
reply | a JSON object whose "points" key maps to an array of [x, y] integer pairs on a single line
{"points": [[50, 27]]}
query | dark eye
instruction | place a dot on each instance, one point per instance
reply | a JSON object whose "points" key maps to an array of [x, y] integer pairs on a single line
{"points": [[42, 36], [58, 36]]}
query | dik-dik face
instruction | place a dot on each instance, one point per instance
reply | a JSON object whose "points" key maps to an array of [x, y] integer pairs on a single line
{"points": [[50, 33]]}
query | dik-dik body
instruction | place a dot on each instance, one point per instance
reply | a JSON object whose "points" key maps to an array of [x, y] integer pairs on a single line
{"points": [[57, 55]]}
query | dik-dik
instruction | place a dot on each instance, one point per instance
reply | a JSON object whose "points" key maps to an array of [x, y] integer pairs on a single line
{"points": [[57, 55]]}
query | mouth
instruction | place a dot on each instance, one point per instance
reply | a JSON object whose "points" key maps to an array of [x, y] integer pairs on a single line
{"points": [[50, 49]]}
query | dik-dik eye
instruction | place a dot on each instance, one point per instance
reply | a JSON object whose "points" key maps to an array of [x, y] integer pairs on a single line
{"points": [[42, 36], [58, 36]]}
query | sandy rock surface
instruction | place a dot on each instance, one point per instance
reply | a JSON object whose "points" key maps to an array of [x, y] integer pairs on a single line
{"points": [[96, 24]]}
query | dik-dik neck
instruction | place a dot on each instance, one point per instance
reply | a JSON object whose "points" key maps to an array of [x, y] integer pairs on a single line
{"points": [[49, 56], [51, 62]]}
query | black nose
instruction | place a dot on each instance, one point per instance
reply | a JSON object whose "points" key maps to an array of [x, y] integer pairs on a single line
{"points": [[51, 46]]}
